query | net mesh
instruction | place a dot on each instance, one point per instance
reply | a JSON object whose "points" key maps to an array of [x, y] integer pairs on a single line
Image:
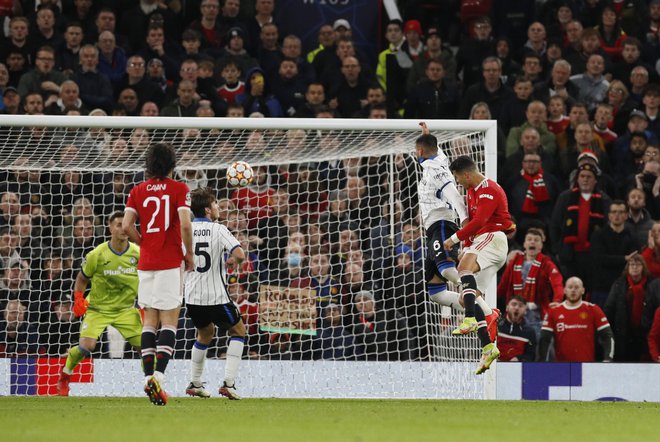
{"points": [[335, 268]]}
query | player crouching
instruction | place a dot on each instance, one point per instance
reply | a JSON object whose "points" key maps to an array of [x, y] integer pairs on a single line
{"points": [[207, 298], [112, 269]]}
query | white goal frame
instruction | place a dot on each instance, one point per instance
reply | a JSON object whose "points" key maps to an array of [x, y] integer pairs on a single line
{"points": [[422, 379]]}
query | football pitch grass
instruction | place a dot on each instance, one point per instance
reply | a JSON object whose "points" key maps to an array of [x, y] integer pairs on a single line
{"points": [[192, 419]]}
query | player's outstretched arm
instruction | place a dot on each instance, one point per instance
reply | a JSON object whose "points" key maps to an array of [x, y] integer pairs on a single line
{"points": [[425, 128], [187, 238], [128, 224]]}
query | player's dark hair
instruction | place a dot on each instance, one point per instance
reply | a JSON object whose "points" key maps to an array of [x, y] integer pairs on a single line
{"points": [[161, 160], [428, 142], [463, 164], [200, 199], [114, 215]]}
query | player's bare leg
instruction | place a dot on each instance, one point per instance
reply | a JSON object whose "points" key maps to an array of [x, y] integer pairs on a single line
{"points": [[198, 359], [234, 353], [76, 354]]}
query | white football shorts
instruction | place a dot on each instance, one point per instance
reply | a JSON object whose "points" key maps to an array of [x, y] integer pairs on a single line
{"points": [[491, 249], [160, 289]]}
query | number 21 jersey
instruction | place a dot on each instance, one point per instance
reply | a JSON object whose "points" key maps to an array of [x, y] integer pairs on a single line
{"points": [[157, 203]]}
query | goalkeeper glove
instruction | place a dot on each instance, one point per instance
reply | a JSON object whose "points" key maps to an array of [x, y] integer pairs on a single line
{"points": [[79, 303]]}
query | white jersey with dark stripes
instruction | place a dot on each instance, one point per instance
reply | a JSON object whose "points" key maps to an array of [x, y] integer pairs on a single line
{"points": [[438, 197], [207, 283]]}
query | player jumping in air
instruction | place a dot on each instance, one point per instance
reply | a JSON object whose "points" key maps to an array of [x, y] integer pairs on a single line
{"points": [[112, 269], [440, 205], [163, 207], [207, 300], [486, 249]]}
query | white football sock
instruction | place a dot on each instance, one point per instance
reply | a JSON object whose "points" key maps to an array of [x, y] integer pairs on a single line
{"points": [[451, 275], [160, 377], [234, 353], [484, 306], [198, 359], [448, 298]]}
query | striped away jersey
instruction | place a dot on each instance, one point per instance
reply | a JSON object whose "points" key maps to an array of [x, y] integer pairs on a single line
{"points": [[207, 284], [438, 197]]}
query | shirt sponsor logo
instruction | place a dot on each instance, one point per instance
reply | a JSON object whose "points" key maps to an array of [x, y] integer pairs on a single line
{"points": [[485, 195], [120, 271], [563, 327]]}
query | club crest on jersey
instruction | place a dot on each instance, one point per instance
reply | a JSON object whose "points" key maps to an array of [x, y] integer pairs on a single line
{"points": [[132, 260]]}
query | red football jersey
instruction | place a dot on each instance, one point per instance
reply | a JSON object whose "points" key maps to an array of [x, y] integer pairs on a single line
{"points": [[575, 330], [157, 204], [557, 127], [488, 211], [256, 205]]}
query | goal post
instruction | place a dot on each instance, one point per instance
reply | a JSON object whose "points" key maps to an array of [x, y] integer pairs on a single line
{"points": [[333, 291]]}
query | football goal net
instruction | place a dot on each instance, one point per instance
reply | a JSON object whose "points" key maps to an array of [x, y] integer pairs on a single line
{"points": [[332, 293]]}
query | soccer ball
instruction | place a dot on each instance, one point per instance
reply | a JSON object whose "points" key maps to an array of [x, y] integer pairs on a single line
{"points": [[239, 174]]}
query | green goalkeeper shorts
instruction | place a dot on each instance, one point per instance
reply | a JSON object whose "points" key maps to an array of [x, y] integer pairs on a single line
{"points": [[127, 322]]}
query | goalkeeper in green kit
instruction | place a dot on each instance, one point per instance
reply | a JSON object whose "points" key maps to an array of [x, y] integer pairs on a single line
{"points": [[112, 269]]}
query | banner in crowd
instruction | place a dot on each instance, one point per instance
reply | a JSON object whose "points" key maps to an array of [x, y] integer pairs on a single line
{"points": [[287, 310], [304, 18]]}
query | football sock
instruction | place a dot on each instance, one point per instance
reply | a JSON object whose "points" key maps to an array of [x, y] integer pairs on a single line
{"points": [[482, 330], [234, 353], [165, 347], [440, 295], [481, 302], [451, 274], [469, 292], [76, 354], [198, 359], [148, 345]]}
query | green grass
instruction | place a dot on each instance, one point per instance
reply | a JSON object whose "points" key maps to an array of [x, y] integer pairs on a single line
{"points": [[192, 419]]}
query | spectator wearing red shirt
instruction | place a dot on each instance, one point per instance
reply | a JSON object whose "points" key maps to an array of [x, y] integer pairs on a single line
{"points": [[651, 253], [611, 35], [208, 25], [254, 199], [532, 276], [515, 338], [574, 325]]}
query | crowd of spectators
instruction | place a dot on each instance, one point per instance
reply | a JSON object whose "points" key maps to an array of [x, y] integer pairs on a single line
{"points": [[573, 85]]}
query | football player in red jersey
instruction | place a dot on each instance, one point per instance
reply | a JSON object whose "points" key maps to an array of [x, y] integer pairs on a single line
{"points": [[163, 207], [574, 325], [485, 248]]}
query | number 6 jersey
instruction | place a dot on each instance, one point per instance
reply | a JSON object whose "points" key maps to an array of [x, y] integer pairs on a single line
{"points": [[207, 284], [157, 204]]}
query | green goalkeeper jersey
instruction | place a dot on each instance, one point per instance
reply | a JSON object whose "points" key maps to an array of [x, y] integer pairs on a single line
{"points": [[114, 277]]}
